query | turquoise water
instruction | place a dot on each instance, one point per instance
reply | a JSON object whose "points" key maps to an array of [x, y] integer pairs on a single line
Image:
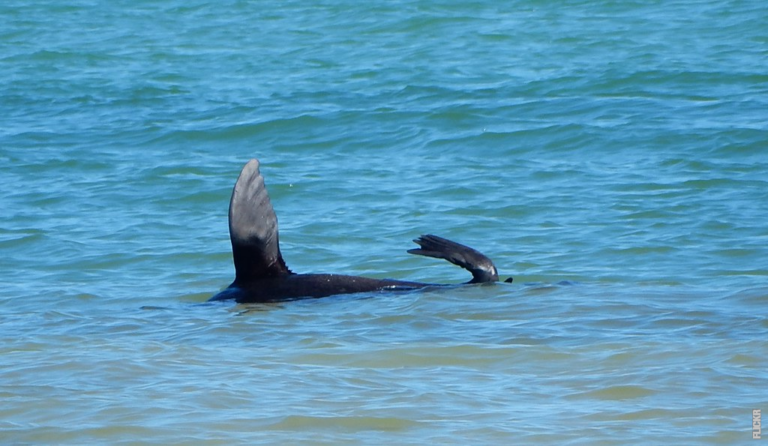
{"points": [[611, 156]]}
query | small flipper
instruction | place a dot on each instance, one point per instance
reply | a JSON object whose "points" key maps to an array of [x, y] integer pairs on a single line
{"points": [[478, 264], [253, 228]]}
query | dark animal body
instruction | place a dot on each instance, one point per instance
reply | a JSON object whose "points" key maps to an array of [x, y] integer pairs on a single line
{"points": [[261, 274]]}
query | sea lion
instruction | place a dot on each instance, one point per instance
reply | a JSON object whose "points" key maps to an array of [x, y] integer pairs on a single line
{"points": [[261, 274]]}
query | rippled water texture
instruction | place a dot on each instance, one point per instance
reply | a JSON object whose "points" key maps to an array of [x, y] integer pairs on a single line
{"points": [[611, 156]]}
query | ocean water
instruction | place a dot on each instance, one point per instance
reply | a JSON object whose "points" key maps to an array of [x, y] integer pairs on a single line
{"points": [[611, 156]]}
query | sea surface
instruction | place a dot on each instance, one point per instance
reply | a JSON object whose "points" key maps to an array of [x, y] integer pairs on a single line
{"points": [[611, 156]]}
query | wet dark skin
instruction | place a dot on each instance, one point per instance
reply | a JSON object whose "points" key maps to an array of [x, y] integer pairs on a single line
{"points": [[261, 274]]}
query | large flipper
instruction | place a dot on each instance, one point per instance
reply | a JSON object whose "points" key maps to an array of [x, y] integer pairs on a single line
{"points": [[478, 264], [253, 228]]}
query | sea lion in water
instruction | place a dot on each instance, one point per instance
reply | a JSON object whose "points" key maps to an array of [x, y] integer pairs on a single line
{"points": [[261, 274]]}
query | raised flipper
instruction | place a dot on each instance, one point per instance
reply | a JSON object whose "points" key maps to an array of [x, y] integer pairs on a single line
{"points": [[253, 229], [478, 264]]}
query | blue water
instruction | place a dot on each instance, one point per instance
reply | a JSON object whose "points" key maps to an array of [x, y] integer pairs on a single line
{"points": [[611, 156]]}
